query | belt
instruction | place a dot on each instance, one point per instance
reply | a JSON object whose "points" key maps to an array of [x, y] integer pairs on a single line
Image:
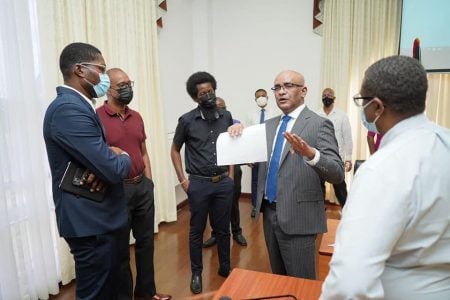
{"points": [[213, 179], [134, 180]]}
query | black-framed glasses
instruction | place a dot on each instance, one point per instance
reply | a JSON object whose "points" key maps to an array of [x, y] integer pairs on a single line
{"points": [[124, 85], [359, 100], [102, 67], [285, 86]]}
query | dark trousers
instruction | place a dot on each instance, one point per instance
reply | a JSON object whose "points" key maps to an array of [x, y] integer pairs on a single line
{"points": [[141, 218], [235, 214], [96, 265], [206, 196], [254, 188], [340, 190]]}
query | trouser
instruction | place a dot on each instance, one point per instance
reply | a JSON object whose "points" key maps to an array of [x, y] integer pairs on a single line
{"points": [[96, 265], [289, 254], [213, 197], [340, 190], [254, 188], [141, 217], [235, 214]]}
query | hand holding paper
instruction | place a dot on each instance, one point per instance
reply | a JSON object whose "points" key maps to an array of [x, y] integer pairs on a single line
{"points": [[250, 147]]}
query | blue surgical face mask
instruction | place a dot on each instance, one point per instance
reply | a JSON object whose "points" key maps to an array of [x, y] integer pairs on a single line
{"points": [[369, 125], [102, 87]]}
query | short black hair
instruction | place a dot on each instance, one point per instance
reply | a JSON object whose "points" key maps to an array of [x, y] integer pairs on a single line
{"points": [[400, 82], [76, 53], [260, 90], [199, 78]]}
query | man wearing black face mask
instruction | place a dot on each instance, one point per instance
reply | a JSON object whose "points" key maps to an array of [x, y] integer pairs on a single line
{"points": [[125, 129], [343, 135], [209, 187]]}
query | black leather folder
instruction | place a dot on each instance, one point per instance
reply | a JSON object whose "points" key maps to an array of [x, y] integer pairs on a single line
{"points": [[74, 181]]}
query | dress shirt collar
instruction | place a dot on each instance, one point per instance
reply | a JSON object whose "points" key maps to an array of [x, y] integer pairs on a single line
{"points": [[406, 124], [294, 114], [90, 101]]}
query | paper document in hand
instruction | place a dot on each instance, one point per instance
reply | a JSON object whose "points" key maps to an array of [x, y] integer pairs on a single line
{"points": [[250, 147]]}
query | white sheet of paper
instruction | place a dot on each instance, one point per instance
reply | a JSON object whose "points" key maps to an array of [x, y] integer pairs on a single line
{"points": [[250, 147]]}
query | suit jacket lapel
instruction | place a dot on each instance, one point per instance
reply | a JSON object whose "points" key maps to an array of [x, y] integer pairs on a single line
{"points": [[62, 89], [299, 125], [101, 126], [271, 131]]}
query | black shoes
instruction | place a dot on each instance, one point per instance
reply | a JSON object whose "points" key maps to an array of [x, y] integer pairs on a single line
{"points": [[196, 284], [210, 242], [240, 239], [253, 214]]}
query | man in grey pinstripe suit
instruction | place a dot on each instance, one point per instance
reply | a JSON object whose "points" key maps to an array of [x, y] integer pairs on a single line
{"points": [[295, 213]]}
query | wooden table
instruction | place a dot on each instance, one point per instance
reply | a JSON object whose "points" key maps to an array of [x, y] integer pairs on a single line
{"points": [[329, 238], [251, 284]]}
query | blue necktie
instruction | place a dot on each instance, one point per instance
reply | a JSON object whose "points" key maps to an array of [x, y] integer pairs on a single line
{"points": [[261, 116], [272, 175]]}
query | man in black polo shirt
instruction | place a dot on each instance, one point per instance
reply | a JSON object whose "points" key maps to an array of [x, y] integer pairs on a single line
{"points": [[209, 187]]}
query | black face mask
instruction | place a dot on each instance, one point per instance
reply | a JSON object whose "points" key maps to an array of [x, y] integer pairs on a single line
{"points": [[327, 101], [125, 95], [208, 101]]}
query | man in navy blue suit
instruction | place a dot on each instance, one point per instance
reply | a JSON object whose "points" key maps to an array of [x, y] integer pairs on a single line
{"points": [[73, 133]]}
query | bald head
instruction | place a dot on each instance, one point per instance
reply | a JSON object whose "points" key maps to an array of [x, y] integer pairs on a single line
{"points": [[220, 103], [114, 72], [328, 92], [295, 77]]}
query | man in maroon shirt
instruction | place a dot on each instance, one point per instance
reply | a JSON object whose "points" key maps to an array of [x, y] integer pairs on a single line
{"points": [[125, 129]]}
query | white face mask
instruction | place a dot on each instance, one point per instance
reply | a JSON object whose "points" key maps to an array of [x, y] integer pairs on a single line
{"points": [[261, 101]]}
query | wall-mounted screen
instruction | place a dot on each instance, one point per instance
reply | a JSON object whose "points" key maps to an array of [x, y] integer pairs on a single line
{"points": [[429, 21]]}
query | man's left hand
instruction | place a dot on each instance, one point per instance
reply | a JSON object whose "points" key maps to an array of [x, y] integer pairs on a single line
{"points": [[299, 146]]}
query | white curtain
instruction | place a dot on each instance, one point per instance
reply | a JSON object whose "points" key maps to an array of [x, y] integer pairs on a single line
{"points": [[33, 259], [125, 32], [355, 35], [438, 99], [28, 269]]}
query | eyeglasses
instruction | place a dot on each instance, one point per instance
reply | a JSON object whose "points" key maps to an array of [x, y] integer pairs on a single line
{"points": [[102, 67], [124, 85], [359, 100], [204, 93], [286, 86]]}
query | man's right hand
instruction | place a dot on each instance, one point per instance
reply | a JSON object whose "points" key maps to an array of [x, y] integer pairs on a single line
{"points": [[116, 150], [185, 185], [95, 183]]}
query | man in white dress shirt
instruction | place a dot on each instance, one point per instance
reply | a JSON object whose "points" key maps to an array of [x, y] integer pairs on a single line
{"points": [[393, 241], [343, 134], [259, 116]]}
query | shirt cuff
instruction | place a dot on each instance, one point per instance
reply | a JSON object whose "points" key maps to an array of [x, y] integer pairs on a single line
{"points": [[315, 159]]}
